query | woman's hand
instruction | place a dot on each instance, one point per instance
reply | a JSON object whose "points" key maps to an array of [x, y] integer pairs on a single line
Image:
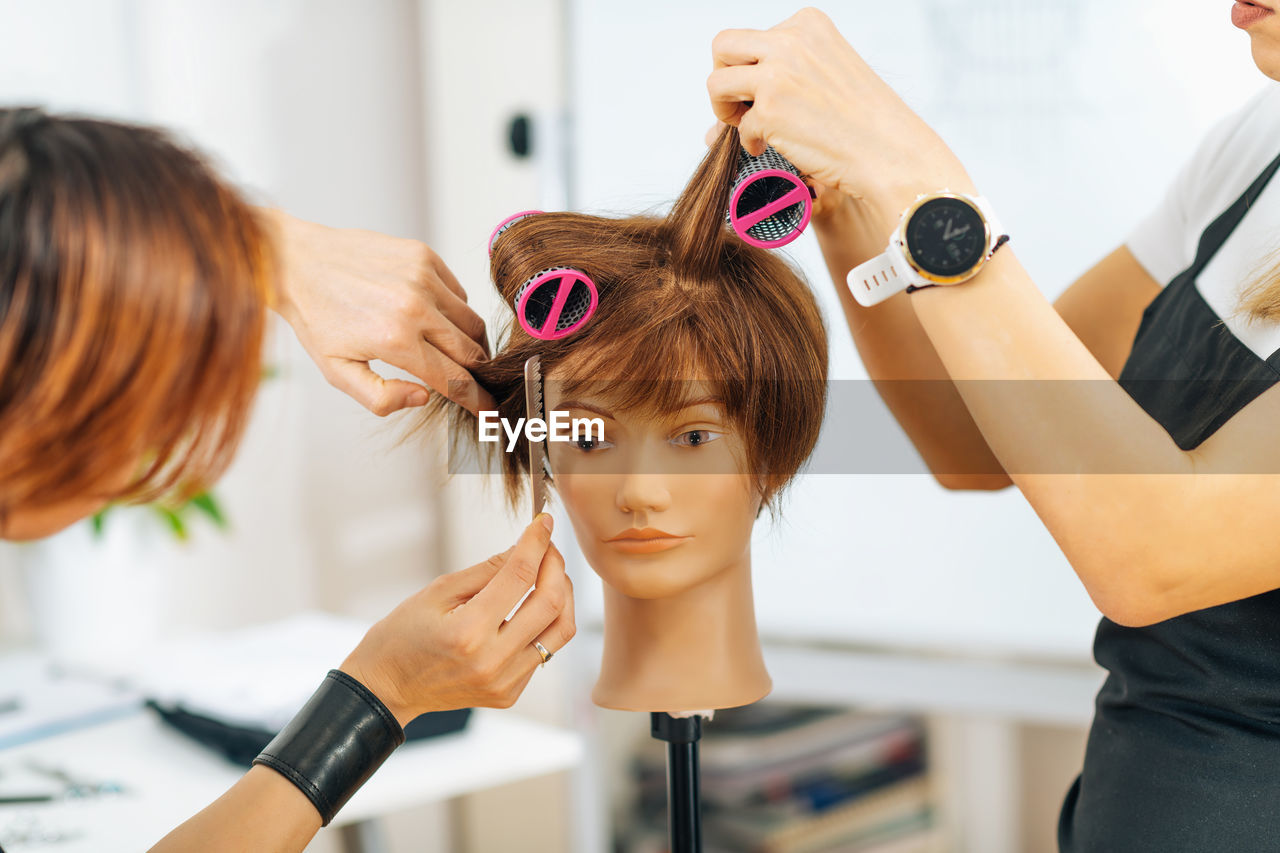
{"points": [[801, 88], [449, 647], [446, 647], [355, 296]]}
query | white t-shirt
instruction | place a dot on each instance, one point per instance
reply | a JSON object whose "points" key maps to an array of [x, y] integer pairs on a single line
{"points": [[1227, 161]]}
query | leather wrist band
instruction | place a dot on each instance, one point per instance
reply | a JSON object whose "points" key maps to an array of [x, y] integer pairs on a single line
{"points": [[335, 743]]}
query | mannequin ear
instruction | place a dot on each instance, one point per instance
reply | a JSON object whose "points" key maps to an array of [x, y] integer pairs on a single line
{"points": [[767, 492], [764, 505]]}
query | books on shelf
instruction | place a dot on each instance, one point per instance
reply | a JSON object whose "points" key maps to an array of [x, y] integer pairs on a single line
{"points": [[885, 814], [787, 779]]}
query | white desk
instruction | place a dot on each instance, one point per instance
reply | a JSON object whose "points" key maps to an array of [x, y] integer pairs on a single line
{"points": [[168, 777]]}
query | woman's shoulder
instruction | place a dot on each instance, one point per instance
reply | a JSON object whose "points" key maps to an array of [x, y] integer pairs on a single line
{"points": [[1225, 161], [1236, 150]]}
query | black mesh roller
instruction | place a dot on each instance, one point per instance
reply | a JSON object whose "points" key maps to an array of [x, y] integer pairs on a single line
{"points": [[754, 191], [546, 286]]}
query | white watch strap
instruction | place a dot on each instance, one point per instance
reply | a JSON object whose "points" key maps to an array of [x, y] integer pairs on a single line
{"points": [[874, 281]]}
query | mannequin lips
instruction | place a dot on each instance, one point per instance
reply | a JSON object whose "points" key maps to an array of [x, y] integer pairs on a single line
{"points": [[646, 540]]}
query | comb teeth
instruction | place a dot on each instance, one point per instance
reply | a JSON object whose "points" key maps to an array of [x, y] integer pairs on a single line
{"points": [[537, 449], [537, 393]]}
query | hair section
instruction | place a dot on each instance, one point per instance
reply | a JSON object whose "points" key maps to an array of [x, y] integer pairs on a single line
{"points": [[681, 297]]}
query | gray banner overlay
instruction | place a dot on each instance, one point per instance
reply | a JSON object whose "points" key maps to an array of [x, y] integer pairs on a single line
{"points": [[861, 437]]}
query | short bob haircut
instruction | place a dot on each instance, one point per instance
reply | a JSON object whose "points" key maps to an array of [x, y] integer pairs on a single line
{"points": [[681, 297], [133, 288]]}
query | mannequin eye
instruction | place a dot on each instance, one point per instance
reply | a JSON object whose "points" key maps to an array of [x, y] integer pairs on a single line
{"points": [[696, 437], [589, 444]]}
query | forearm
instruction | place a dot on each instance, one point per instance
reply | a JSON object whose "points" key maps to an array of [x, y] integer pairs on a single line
{"points": [[263, 811], [447, 646], [1093, 464], [902, 362]]}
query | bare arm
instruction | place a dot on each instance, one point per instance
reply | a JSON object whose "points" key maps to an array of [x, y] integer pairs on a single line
{"points": [[1103, 308], [1151, 530], [907, 372], [263, 811], [1189, 530], [448, 646]]}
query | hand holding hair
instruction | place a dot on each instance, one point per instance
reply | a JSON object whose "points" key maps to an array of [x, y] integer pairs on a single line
{"points": [[355, 296], [825, 199], [800, 87]]}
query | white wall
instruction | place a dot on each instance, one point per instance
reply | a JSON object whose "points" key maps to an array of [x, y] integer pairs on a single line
{"points": [[315, 107]]}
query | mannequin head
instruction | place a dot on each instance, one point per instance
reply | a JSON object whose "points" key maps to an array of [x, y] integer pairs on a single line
{"points": [[706, 363]]}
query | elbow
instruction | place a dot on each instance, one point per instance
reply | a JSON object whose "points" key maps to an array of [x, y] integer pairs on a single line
{"points": [[973, 482], [1131, 614], [1137, 598]]}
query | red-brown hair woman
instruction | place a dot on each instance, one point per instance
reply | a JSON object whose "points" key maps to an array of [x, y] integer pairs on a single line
{"points": [[133, 290]]}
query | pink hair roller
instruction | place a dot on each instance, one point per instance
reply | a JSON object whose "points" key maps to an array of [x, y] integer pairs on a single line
{"points": [[770, 204], [507, 223], [555, 303]]}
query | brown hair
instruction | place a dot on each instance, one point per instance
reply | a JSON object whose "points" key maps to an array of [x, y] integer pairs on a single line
{"points": [[680, 297], [133, 285]]}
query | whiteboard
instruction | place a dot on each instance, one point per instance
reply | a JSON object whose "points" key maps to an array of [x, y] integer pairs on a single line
{"points": [[1075, 113]]}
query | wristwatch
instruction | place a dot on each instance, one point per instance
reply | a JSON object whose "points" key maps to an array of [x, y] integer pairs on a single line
{"points": [[942, 238]]}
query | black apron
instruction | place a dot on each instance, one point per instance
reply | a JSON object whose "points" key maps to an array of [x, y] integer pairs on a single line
{"points": [[1184, 752]]}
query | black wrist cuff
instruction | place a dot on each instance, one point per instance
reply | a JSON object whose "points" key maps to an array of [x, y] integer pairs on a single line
{"points": [[335, 743]]}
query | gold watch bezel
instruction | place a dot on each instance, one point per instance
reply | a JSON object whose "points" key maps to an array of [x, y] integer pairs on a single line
{"points": [[932, 278]]}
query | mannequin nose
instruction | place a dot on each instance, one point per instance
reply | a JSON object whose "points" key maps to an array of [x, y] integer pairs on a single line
{"points": [[643, 493]]}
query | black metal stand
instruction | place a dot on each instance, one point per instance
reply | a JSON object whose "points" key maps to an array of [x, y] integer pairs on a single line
{"points": [[684, 809]]}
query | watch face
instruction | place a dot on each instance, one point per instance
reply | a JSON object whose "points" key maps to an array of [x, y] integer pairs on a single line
{"points": [[946, 237]]}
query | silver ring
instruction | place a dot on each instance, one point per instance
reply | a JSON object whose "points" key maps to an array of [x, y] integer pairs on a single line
{"points": [[542, 650]]}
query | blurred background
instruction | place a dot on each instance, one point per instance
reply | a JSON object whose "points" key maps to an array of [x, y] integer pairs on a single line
{"points": [[949, 622]]}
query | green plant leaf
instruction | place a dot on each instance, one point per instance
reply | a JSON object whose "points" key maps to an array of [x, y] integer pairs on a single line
{"points": [[175, 522], [176, 518], [208, 504]]}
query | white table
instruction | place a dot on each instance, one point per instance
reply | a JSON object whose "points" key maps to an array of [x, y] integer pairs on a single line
{"points": [[169, 777]]}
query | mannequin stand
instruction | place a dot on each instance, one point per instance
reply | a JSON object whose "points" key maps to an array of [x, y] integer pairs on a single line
{"points": [[684, 810]]}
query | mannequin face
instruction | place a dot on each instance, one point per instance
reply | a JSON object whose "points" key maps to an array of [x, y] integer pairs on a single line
{"points": [[662, 504], [1259, 19]]}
